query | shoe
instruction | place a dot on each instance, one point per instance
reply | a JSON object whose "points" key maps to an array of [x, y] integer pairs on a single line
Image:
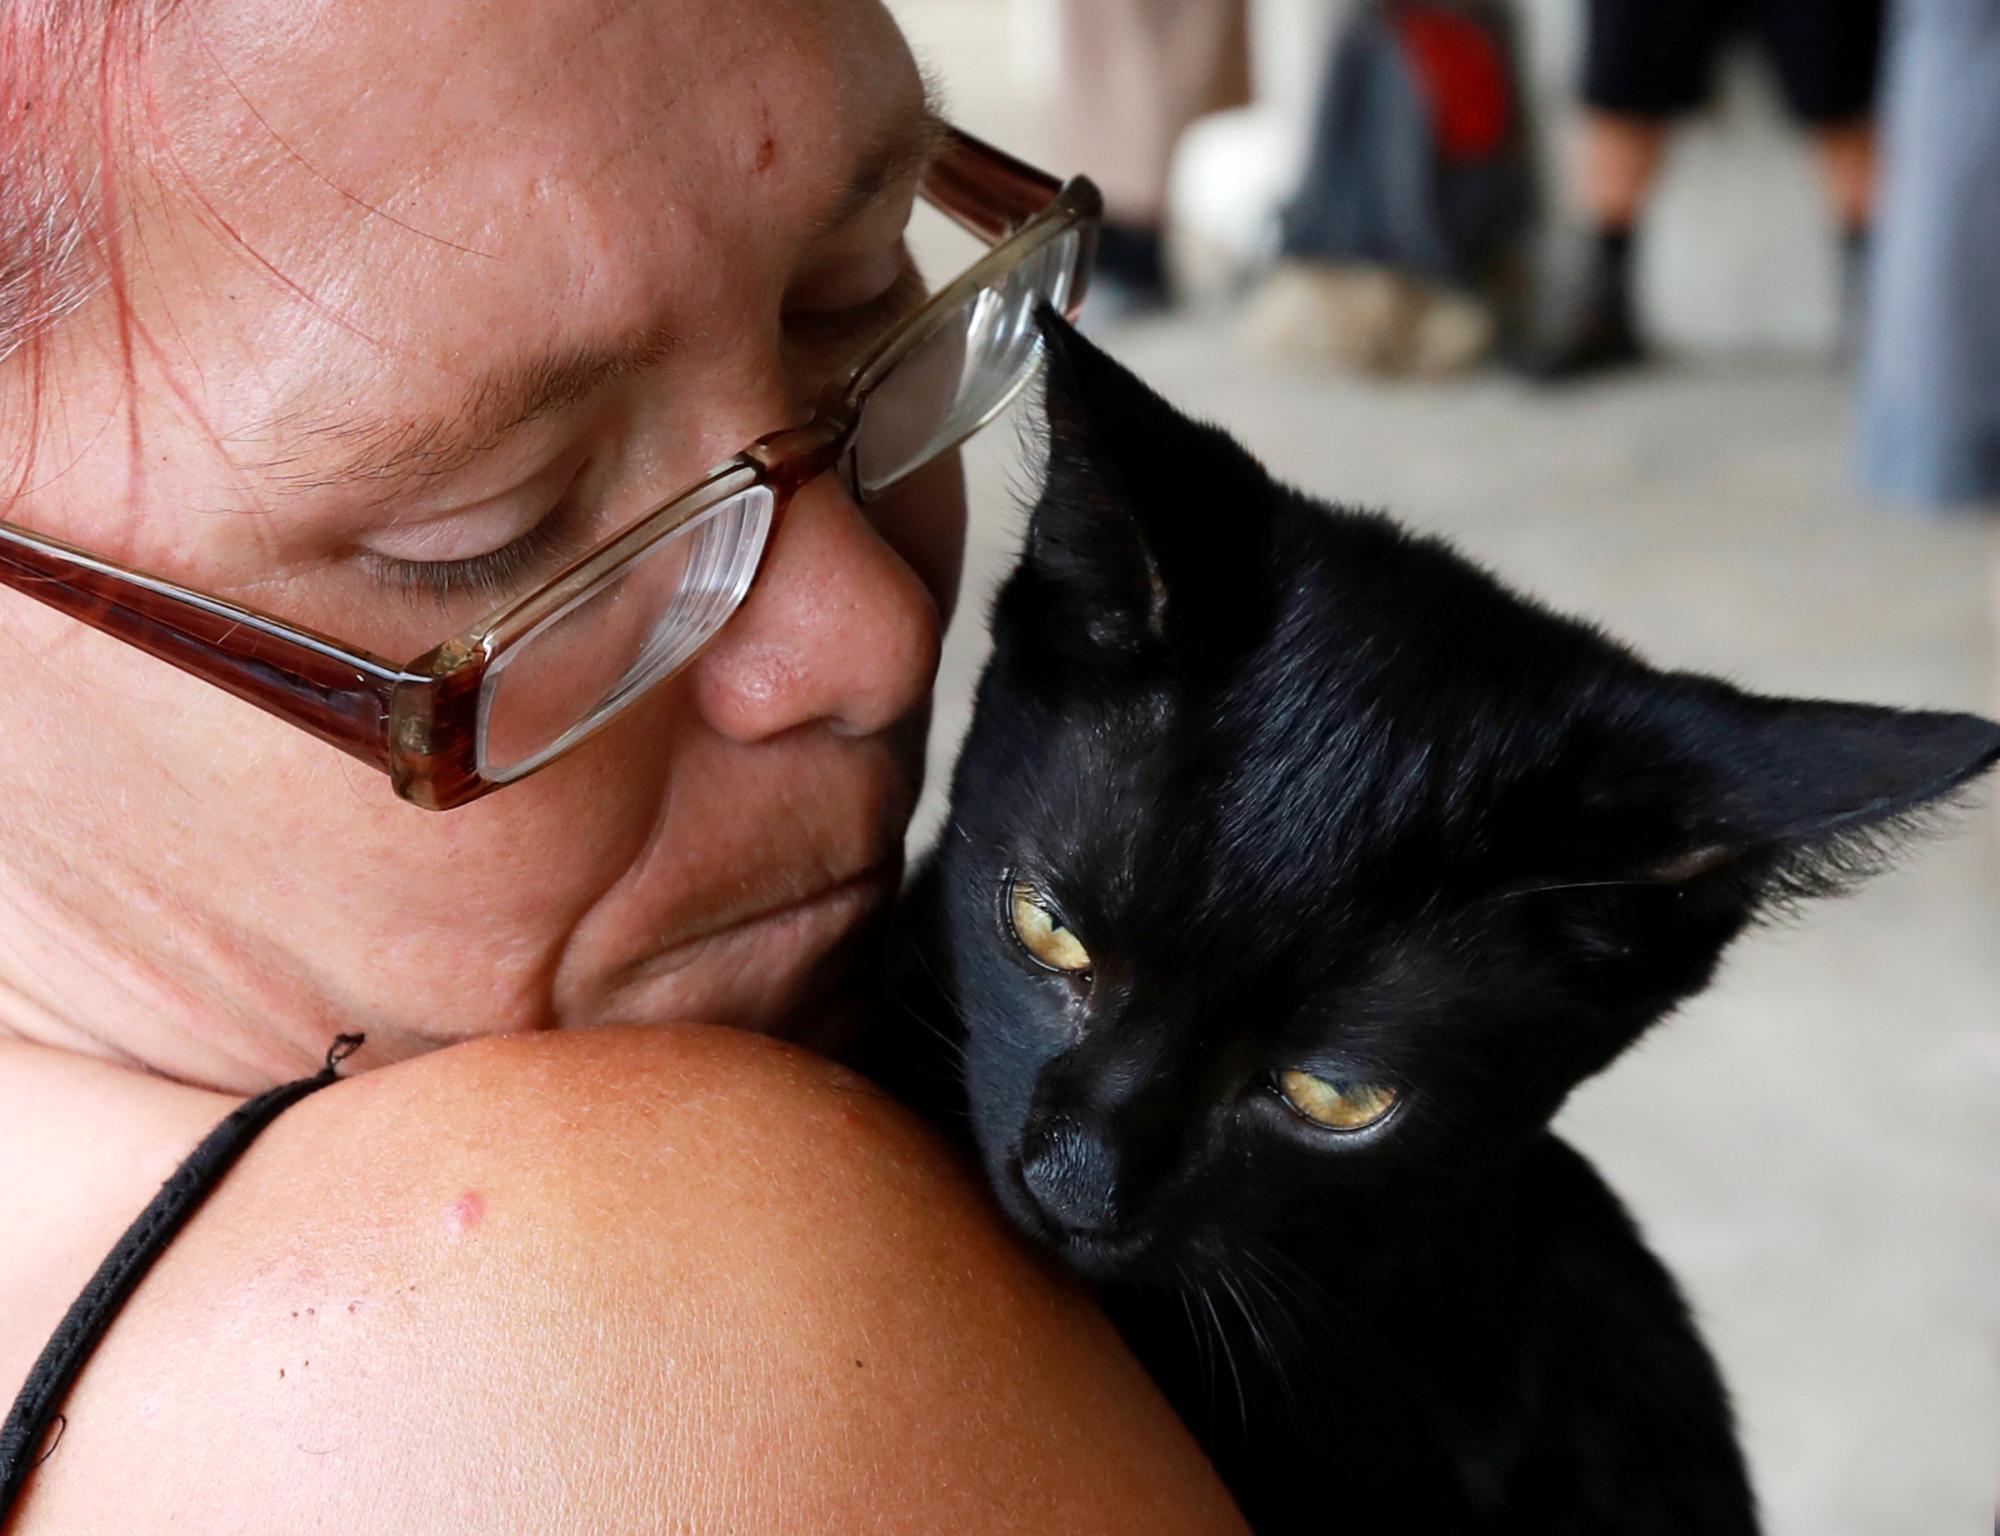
{"points": [[1365, 319], [1129, 276], [1585, 323]]}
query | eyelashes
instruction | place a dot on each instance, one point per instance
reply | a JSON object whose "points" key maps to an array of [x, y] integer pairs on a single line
{"points": [[556, 538], [863, 322]]}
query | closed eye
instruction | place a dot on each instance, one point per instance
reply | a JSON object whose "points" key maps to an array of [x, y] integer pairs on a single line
{"points": [[559, 536], [856, 324]]}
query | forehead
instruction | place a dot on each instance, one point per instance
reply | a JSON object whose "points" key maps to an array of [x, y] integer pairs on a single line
{"points": [[404, 184]]}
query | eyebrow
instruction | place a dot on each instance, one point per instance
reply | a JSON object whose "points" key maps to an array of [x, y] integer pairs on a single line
{"points": [[913, 140], [392, 454]]}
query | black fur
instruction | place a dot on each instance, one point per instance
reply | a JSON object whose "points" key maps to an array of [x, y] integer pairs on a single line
{"points": [[1317, 793]]}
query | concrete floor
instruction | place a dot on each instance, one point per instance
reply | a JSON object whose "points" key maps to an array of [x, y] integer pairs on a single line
{"points": [[1814, 1146]]}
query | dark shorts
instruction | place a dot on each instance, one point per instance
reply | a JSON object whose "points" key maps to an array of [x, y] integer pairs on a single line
{"points": [[1652, 58]]}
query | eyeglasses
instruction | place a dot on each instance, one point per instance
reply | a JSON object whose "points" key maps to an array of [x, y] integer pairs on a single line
{"points": [[550, 669]]}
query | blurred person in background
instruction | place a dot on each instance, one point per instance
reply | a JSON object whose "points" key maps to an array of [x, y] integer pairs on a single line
{"points": [[1930, 383], [1396, 250], [1648, 62], [1132, 74], [1929, 433]]}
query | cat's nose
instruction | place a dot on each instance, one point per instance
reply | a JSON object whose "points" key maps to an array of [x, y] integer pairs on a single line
{"points": [[1072, 1174]]}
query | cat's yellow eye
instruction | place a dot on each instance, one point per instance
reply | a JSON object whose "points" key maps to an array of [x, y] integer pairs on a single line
{"points": [[1340, 1103], [1045, 939]]}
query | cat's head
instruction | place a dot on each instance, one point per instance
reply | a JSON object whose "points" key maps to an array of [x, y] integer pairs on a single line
{"points": [[1296, 866]]}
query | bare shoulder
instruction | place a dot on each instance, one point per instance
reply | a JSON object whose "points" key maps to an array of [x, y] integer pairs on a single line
{"points": [[659, 1281]]}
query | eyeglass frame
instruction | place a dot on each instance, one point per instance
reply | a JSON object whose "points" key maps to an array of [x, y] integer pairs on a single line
{"points": [[418, 723]]}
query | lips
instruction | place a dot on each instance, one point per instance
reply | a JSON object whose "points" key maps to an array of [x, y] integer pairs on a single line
{"points": [[864, 888], [774, 968]]}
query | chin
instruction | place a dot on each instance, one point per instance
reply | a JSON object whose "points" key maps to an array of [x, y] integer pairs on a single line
{"points": [[1113, 1260]]}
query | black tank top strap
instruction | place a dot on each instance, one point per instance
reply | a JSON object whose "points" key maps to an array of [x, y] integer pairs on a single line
{"points": [[38, 1406]]}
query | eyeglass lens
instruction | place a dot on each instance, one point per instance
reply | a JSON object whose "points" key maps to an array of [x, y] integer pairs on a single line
{"points": [[964, 373], [580, 667], [585, 663]]}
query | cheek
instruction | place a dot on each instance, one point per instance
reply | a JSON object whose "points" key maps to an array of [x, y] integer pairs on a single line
{"points": [[258, 831], [999, 1088], [1010, 1040], [923, 520], [539, 856]]}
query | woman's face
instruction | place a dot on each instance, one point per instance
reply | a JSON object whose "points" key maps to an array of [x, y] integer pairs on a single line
{"points": [[422, 296]]}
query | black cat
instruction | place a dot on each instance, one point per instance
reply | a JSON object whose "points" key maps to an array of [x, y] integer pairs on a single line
{"points": [[1296, 872]]}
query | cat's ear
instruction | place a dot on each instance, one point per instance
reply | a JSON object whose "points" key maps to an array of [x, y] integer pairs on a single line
{"points": [[1792, 797], [1147, 521]]}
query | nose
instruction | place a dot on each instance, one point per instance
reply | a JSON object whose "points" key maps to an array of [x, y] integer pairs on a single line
{"points": [[838, 629], [1072, 1174]]}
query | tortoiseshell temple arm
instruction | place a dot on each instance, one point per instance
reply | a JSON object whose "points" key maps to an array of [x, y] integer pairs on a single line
{"points": [[986, 190], [340, 696]]}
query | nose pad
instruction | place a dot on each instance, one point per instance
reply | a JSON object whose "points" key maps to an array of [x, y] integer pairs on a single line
{"points": [[1072, 1175]]}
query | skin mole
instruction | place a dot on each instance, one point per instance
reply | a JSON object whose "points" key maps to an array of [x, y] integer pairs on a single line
{"points": [[464, 1213]]}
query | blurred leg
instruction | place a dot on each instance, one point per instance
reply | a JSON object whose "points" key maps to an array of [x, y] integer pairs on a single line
{"points": [[1993, 698], [1620, 161], [1847, 165], [1645, 63], [1930, 397], [1993, 704], [1828, 56], [1586, 322], [1132, 75], [1847, 168]]}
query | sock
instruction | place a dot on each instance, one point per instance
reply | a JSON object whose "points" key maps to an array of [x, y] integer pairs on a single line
{"points": [[1612, 278], [1854, 240], [1614, 250], [1133, 254]]}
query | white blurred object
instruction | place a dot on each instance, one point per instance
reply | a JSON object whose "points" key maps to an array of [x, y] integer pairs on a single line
{"points": [[1230, 174], [1233, 169], [1738, 252]]}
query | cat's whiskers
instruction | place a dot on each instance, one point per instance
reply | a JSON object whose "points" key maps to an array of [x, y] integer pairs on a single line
{"points": [[1260, 1335], [1187, 1311], [1284, 1305], [1213, 1345], [1309, 1296], [1229, 1354], [957, 1047], [1185, 1290], [952, 1071], [944, 995], [1569, 885]]}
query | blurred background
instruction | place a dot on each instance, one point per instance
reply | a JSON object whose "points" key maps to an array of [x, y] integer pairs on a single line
{"points": [[1681, 317]]}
